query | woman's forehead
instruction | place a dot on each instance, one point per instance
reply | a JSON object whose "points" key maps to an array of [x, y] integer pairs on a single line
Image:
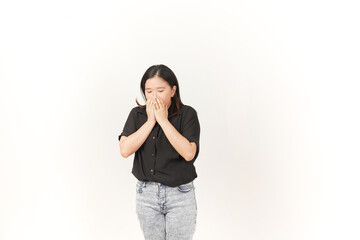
{"points": [[154, 83]]}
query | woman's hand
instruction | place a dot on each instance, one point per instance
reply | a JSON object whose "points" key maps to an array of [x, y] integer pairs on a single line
{"points": [[160, 109], [150, 110]]}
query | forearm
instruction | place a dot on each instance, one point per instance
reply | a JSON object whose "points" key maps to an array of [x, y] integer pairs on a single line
{"points": [[134, 141], [178, 141]]}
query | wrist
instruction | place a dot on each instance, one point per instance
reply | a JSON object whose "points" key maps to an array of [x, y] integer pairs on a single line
{"points": [[163, 121], [152, 122]]}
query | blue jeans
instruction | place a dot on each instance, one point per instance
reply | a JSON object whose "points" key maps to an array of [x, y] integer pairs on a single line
{"points": [[166, 213]]}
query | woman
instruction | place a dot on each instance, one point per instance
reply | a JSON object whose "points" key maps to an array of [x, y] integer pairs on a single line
{"points": [[164, 134]]}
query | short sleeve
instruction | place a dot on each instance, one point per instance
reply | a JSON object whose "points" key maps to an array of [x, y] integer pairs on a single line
{"points": [[130, 124], [191, 129]]}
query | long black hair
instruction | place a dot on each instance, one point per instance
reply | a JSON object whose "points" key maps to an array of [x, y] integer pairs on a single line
{"points": [[168, 75]]}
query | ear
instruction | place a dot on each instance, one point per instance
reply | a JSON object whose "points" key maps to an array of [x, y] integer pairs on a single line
{"points": [[173, 90]]}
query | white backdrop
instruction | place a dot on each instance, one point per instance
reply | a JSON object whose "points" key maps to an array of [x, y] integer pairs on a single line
{"points": [[275, 85]]}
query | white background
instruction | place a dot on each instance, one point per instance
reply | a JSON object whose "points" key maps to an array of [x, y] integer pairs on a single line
{"points": [[275, 85]]}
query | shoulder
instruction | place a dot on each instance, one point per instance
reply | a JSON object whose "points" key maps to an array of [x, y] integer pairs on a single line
{"points": [[135, 111], [138, 109], [188, 110]]}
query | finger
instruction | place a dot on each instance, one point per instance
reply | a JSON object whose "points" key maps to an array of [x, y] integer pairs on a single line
{"points": [[161, 103], [158, 101], [152, 104]]}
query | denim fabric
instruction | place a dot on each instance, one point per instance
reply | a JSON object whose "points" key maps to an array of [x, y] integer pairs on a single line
{"points": [[166, 213]]}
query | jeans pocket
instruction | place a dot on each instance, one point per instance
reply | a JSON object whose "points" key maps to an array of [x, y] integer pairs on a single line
{"points": [[185, 187], [139, 186]]}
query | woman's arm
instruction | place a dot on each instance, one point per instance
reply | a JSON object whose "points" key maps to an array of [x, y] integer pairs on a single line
{"points": [[185, 148], [130, 144]]}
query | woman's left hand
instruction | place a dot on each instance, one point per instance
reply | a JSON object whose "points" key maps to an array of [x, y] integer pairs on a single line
{"points": [[160, 109]]}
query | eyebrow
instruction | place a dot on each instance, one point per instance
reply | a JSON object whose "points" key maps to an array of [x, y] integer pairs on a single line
{"points": [[150, 88]]}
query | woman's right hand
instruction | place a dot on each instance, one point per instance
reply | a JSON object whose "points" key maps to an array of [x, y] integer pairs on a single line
{"points": [[150, 110]]}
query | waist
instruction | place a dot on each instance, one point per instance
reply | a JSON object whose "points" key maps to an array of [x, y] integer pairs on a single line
{"points": [[144, 183]]}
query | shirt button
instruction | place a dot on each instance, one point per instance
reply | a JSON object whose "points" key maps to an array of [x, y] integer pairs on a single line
{"points": [[153, 137], [152, 171], [153, 154]]}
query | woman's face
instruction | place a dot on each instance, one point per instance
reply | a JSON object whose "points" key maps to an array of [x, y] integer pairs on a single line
{"points": [[157, 86]]}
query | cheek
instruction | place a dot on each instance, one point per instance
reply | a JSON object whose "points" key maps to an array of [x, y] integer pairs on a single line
{"points": [[165, 99], [148, 96]]}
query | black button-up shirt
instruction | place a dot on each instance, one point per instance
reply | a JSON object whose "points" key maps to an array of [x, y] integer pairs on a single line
{"points": [[157, 160]]}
